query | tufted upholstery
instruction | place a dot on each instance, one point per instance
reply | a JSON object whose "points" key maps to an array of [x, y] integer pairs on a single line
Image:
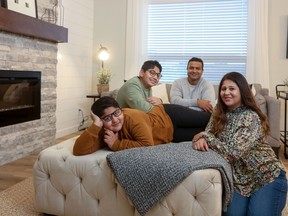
{"points": [[84, 185]]}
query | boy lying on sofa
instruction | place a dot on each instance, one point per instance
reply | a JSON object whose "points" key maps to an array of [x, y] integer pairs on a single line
{"points": [[128, 128]]}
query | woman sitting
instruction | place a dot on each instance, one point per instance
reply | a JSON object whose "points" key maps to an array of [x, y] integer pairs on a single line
{"points": [[237, 131]]}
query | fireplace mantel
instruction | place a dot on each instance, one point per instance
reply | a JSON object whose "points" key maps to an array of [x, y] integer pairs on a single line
{"points": [[21, 24]]}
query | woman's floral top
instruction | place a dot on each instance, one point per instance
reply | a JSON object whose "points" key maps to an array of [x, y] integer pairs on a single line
{"points": [[242, 144]]}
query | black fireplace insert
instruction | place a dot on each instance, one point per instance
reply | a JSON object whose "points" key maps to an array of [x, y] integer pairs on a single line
{"points": [[20, 96]]}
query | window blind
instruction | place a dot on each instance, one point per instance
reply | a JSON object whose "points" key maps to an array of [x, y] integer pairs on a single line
{"points": [[214, 30]]}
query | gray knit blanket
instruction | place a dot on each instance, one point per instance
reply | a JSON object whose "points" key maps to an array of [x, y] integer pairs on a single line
{"points": [[147, 174]]}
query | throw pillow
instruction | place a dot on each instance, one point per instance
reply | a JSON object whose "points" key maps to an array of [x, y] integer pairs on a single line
{"points": [[261, 102], [253, 89], [114, 93], [160, 91]]}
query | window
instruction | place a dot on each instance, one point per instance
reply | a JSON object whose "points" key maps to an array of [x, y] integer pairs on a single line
{"points": [[214, 30]]}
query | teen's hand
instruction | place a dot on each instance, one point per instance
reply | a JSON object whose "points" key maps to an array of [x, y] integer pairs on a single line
{"points": [[110, 137], [96, 120], [154, 100]]}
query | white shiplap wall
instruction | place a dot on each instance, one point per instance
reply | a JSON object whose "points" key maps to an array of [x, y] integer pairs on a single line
{"points": [[90, 23], [74, 69]]}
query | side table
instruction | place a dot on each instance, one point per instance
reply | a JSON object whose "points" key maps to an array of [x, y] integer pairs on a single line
{"points": [[282, 94], [94, 96]]}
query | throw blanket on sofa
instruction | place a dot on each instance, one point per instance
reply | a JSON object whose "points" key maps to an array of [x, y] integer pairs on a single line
{"points": [[147, 174]]}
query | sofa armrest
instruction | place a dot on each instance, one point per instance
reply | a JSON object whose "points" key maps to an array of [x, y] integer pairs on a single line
{"points": [[260, 90], [273, 108]]}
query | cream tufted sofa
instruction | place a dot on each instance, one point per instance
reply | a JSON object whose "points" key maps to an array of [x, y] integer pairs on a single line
{"points": [[84, 185]]}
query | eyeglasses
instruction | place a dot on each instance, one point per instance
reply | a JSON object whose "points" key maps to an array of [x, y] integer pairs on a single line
{"points": [[109, 117], [154, 74]]}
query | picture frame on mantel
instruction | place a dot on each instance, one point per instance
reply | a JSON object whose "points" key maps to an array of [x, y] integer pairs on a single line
{"points": [[27, 7]]}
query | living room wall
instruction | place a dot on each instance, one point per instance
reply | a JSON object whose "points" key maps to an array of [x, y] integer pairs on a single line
{"points": [[74, 68], [92, 23], [278, 63]]}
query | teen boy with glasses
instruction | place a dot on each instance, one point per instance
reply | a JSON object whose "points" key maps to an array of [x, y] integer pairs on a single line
{"points": [[125, 128], [136, 93]]}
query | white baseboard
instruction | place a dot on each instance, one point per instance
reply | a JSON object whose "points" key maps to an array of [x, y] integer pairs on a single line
{"points": [[73, 129]]}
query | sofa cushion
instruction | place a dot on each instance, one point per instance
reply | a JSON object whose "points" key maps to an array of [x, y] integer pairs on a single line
{"points": [[112, 93], [160, 91], [261, 102], [253, 90], [84, 185]]}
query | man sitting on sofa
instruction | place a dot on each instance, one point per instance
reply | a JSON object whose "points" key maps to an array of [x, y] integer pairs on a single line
{"points": [[136, 93], [193, 91]]}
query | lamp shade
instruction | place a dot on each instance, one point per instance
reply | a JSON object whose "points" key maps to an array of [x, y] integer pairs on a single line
{"points": [[103, 53]]}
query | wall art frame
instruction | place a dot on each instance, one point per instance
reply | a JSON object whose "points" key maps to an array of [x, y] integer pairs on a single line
{"points": [[27, 7]]}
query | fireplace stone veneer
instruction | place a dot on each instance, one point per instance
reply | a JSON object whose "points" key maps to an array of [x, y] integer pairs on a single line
{"points": [[23, 53]]}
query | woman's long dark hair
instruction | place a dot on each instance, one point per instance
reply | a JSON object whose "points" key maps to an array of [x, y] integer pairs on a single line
{"points": [[219, 114]]}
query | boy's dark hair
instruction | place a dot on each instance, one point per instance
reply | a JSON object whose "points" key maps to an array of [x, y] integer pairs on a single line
{"points": [[102, 103], [150, 64], [197, 60]]}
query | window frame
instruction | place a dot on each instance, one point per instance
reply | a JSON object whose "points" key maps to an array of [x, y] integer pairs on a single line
{"points": [[212, 63]]}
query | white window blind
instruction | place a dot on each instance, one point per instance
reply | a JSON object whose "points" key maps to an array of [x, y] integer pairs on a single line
{"points": [[214, 30]]}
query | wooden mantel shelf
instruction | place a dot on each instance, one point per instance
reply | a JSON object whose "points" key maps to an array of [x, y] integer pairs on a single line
{"points": [[21, 24]]}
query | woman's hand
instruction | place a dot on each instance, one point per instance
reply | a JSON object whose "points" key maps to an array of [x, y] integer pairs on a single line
{"points": [[200, 145], [198, 136], [110, 137], [96, 120]]}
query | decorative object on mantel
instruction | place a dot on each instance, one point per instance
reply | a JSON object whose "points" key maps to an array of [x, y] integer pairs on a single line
{"points": [[27, 7], [104, 74], [61, 13], [51, 15], [19, 24]]}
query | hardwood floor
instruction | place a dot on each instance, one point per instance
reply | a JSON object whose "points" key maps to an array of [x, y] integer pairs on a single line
{"points": [[21, 169], [18, 170]]}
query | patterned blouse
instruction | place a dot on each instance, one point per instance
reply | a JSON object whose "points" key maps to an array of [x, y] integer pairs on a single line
{"points": [[242, 143]]}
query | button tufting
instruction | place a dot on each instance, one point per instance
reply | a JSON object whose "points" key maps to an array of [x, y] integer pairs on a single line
{"points": [[102, 193]]}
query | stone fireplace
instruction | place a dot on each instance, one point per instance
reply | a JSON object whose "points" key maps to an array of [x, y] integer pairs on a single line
{"points": [[29, 44], [30, 54]]}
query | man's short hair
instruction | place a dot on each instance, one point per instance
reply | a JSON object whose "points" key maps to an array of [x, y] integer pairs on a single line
{"points": [[197, 60]]}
